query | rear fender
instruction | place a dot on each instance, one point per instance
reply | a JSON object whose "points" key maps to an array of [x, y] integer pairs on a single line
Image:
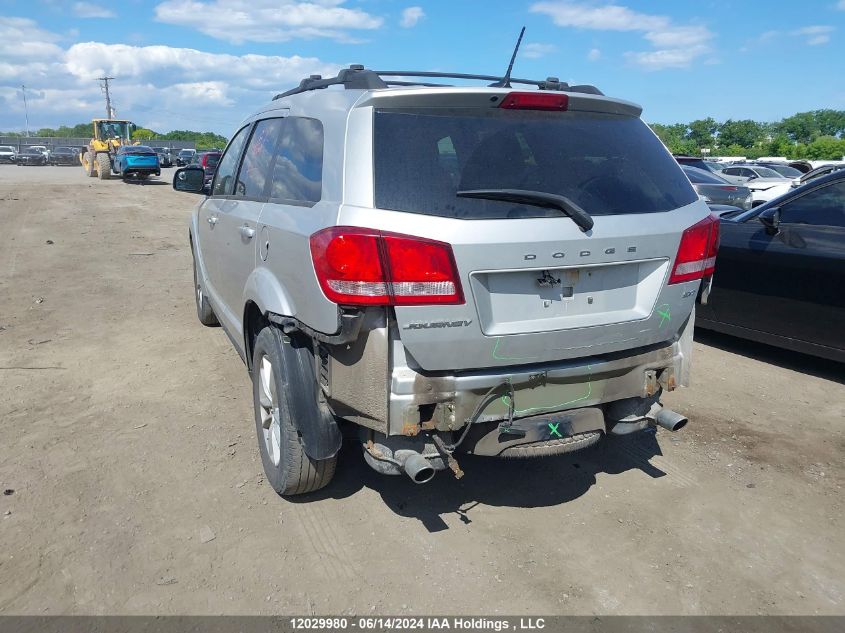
{"points": [[264, 290]]}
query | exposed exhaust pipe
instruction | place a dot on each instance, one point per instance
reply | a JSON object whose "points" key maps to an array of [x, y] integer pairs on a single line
{"points": [[670, 420], [418, 468]]}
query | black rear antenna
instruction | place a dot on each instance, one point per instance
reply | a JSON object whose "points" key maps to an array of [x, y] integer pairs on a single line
{"points": [[506, 80]]}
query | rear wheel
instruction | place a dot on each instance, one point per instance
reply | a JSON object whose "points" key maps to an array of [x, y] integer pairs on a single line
{"points": [[103, 166], [88, 164], [288, 468], [205, 313]]}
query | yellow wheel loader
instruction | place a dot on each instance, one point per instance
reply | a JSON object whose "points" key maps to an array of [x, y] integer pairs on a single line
{"points": [[109, 134]]}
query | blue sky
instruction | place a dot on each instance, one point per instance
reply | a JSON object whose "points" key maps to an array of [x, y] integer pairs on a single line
{"points": [[203, 64]]}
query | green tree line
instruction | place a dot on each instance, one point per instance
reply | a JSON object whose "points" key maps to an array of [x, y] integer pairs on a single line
{"points": [[203, 140], [815, 135]]}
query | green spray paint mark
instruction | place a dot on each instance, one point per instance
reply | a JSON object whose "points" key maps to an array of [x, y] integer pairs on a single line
{"points": [[507, 402], [664, 314], [497, 357], [553, 430]]}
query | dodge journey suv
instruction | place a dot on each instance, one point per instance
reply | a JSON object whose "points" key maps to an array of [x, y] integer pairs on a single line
{"points": [[487, 270]]}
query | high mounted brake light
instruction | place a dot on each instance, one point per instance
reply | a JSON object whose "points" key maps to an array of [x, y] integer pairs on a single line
{"points": [[697, 252], [535, 101], [358, 266]]}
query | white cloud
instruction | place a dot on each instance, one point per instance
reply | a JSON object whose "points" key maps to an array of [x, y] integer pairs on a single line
{"points": [[814, 35], [156, 86], [676, 46], [535, 50], [594, 55], [91, 10], [239, 21], [21, 38], [411, 16]]}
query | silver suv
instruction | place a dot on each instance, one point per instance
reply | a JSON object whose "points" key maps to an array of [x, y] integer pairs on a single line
{"points": [[484, 270]]}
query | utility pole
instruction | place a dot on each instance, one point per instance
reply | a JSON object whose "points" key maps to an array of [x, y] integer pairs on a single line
{"points": [[105, 88], [25, 110]]}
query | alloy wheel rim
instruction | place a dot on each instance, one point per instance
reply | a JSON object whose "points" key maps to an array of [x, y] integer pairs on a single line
{"points": [[268, 403]]}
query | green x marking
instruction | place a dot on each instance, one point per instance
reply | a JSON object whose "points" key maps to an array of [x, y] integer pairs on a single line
{"points": [[664, 314], [553, 430]]}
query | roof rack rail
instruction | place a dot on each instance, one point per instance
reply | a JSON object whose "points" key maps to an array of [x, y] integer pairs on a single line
{"points": [[357, 77]]}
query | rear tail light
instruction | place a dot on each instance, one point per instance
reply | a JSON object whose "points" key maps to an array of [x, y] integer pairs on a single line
{"points": [[535, 101], [697, 253], [728, 188], [357, 266]]}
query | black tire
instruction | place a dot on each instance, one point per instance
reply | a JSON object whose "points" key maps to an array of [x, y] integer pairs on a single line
{"points": [[295, 473], [205, 313], [103, 166], [88, 165]]}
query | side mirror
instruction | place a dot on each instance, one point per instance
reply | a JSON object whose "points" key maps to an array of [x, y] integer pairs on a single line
{"points": [[770, 218], [190, 179]]}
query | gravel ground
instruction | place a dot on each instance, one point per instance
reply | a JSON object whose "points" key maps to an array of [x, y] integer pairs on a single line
{"points": [[133, 483]]}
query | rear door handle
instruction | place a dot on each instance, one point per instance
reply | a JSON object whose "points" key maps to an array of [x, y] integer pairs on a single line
{"points": [[247, 231], [212, 219]]}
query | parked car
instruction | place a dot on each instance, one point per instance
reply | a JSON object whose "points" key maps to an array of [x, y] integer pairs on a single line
{"points": [[31, 156], [43, 149], [781, 271], [816, 173], [765, 184], [801, 165], [139, 161], [165, 158], [8, 154], [716, 190], [522, 300], [782, 169], [64, 156], [208, 161], [700, 163], [185, 156]]}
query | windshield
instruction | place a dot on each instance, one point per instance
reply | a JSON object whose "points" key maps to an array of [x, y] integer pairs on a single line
{"points": [[63, 150], [186, 152], [113, 129], [31, 150], [606, 164], [6, 148], [702, 177]]}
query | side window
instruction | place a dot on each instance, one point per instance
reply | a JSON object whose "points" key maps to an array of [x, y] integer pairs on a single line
{"points": [[224, 178], [298, 171], [258, 159], [731, 171], [822, 207]]}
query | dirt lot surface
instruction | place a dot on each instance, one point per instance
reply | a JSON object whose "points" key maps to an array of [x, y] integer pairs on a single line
{"points": [[133, 483]]}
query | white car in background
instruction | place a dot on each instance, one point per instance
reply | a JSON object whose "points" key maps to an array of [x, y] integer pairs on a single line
{"points": [[765, 184], [8, 154]]}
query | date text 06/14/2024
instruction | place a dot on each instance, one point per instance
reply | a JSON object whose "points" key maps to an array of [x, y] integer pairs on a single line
{"points": [[417, 623]]}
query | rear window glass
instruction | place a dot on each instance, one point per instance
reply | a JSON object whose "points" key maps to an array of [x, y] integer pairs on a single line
{"points": [[702, 177], [607, 164], [137, 149]]}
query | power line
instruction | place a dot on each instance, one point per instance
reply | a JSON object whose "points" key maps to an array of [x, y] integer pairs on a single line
{"points": [[105, 87]]}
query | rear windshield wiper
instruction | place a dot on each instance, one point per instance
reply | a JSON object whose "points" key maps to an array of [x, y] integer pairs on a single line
{"points": [[534, 198]]}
